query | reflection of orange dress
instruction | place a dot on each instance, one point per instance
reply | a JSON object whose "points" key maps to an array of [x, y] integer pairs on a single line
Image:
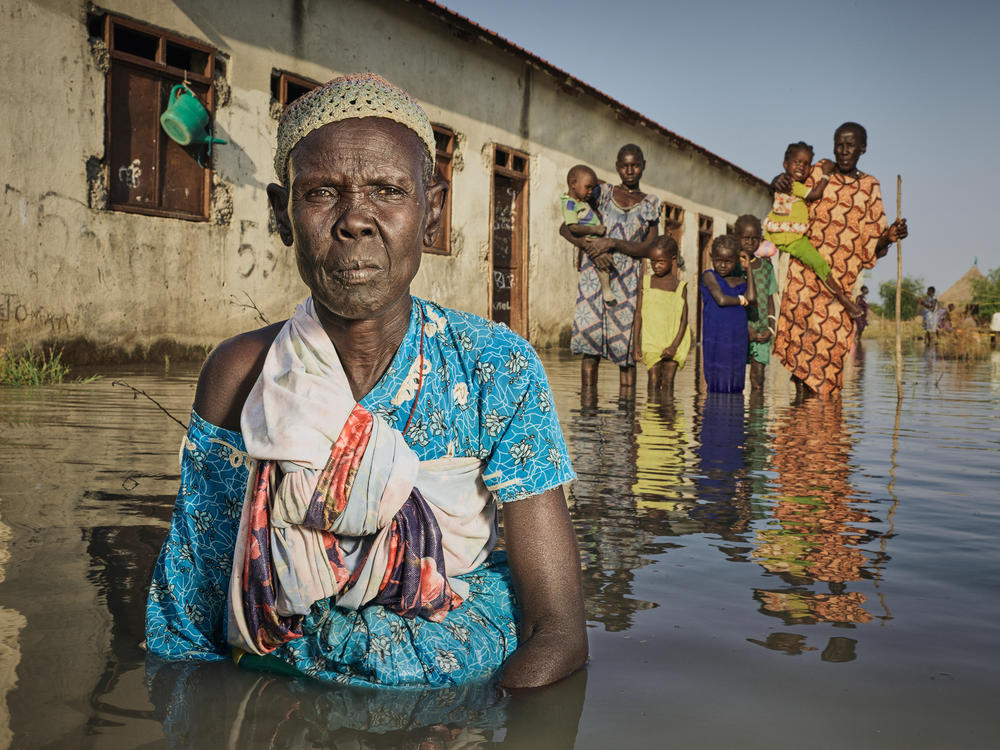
{"points": [[814, 332], [815, 532]]}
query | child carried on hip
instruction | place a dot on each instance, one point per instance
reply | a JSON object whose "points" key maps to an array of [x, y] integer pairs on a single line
{"points": [[582, 220], [787, 223]]}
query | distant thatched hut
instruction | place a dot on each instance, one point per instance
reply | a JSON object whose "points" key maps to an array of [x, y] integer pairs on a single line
{"points": [[960, 293]]}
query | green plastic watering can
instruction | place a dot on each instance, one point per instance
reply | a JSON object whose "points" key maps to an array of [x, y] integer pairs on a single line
{"points": [[185, 119]]}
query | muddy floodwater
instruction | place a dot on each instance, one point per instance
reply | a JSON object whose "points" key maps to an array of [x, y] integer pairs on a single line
{"points": [[757, 574]]}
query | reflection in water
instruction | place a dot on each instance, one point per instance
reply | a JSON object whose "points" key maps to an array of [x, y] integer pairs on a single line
{"points": [[721, 484], [216, 705], [663, 488], [88, 482], [615, 541], [813, 540]]}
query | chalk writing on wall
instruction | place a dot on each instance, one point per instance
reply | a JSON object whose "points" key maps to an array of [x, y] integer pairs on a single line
{"points": [[13, 311]]}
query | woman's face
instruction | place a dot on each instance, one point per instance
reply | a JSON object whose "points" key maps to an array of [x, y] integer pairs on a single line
{"points": [[847, 149], [630, 168], [358, 213]]}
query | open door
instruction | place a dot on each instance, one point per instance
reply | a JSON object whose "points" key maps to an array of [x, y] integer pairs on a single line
{"points": [[508, 287]]}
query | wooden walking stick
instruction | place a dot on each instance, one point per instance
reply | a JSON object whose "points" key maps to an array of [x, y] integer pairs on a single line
{"points": [[899, 292]]}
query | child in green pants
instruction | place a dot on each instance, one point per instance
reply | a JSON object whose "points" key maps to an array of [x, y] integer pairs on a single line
{"points": [[788, 221]]}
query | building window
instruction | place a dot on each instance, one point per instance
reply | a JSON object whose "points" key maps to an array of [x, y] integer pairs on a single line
{"points": [[287, 87], [149, 172], [673, 222], [445, 150]]}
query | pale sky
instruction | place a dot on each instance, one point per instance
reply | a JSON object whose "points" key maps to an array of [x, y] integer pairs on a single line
{"points": [[743, 78]]}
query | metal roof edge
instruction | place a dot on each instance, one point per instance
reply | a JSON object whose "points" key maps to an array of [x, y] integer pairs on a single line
{"points": [[565, 79]]}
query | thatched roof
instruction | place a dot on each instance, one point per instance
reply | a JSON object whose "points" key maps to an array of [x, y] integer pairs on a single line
{"points": [[960, 292]]}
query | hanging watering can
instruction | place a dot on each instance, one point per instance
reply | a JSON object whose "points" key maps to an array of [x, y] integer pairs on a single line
{"points": [[185, 119]]}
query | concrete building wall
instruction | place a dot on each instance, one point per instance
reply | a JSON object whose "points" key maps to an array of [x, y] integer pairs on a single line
{"points": [[118, 282]]}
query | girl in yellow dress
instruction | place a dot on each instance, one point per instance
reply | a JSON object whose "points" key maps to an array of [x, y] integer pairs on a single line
{"points": [[665, 336]]}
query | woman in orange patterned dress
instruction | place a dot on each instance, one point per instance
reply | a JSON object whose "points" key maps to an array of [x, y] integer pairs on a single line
{"points": [[848, 227]]}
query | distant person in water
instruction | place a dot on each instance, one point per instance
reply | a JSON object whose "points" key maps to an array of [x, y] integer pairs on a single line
{"points": [[664, 331], [788, 221], [760, 327], [930, 310], [726, 298], [580, 218], [861, 322]]}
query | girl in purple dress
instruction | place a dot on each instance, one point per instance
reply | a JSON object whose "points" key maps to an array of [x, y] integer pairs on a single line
{"points": [[725, 299]]}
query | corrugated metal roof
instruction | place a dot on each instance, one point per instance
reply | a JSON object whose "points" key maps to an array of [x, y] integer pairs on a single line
{"points": [[470, 27]]}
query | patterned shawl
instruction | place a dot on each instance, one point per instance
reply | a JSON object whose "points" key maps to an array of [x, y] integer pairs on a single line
{"points": [[332, 507]]}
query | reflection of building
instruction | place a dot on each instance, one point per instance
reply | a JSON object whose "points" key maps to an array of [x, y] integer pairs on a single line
{"points": [[814, 534], [149, 226]]}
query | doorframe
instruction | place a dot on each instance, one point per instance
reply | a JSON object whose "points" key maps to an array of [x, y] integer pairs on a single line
{"points": [[512, 164]]}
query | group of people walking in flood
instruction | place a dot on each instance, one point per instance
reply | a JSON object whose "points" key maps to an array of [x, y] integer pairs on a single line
{"points": [[827, 216]]}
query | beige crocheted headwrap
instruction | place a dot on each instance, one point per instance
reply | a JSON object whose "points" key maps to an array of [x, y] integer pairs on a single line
{"points": [[343, 98]]}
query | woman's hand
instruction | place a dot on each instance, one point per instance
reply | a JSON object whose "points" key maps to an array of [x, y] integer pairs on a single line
{"points": [[601, 245], [669, 352], [600, 258], [897, 231], [782, 183]]}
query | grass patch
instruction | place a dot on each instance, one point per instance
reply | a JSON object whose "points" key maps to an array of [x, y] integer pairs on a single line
{"points": [[34, 368]]}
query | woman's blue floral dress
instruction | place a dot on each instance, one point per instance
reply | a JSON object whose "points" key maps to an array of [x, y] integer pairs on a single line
{"points": [[482, 393]]}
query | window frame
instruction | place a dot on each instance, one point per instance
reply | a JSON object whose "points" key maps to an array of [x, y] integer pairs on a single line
{"points": [[284, 78], [443, 168], [168, 74]]}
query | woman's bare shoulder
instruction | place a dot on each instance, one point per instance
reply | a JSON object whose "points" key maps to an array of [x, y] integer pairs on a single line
{"points": [[229, 373]]}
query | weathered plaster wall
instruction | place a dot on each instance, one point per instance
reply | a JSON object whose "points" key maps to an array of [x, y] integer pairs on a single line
{"points": [[69, 270]]}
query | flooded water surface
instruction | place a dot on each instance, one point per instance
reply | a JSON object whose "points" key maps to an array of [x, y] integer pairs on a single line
{"points": [[757, 574]]}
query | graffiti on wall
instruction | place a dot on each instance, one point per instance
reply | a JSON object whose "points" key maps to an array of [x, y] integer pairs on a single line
{"points": [[14, 311]]}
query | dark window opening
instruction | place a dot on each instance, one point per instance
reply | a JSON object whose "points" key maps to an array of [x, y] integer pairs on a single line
{"points": [[186, 58], [134, 42], [512, 163]]}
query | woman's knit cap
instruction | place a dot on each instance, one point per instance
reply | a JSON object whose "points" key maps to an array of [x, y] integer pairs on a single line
{"points": [[343, 98]]}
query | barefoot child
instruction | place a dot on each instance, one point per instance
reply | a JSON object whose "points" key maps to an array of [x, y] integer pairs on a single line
{"points": [[583, 221], [788, 221], [931, 311], [725, 299], [665, 335], [760, 328], [861, 322]]}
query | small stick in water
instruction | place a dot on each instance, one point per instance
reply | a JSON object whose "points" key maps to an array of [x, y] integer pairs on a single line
{"points": [[136, 392]]}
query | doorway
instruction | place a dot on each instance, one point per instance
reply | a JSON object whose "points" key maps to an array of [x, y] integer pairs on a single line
{"points": [[508, 286]]}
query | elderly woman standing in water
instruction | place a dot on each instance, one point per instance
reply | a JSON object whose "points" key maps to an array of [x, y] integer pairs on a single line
{"points": [[632, 220], [343, 469], [847, 225]]}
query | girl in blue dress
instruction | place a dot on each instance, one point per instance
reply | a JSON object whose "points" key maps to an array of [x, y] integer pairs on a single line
{"points": [[725, 298]]}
